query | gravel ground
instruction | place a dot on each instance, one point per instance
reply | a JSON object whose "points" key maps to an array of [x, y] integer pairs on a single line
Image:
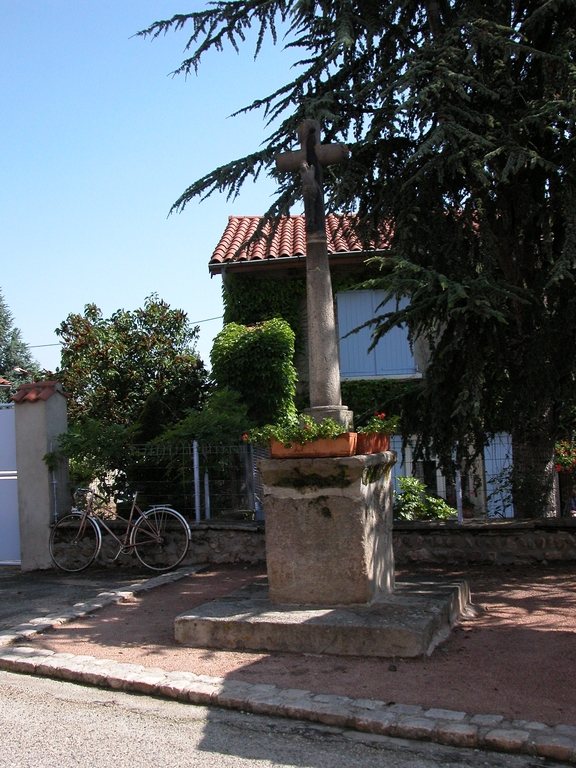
{"points": [[518, 659]]}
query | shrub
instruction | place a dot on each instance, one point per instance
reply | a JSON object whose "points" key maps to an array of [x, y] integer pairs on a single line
{"points": [[256, 362], [413, 503]]}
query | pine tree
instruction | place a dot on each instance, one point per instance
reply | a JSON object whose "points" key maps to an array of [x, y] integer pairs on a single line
{"points": [[460, 117], [14, 353]]}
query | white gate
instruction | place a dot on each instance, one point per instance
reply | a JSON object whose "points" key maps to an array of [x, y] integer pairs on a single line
{"points": [[9, 531]]}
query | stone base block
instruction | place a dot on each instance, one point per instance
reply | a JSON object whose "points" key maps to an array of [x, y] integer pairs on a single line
{"points": [[407, 623], [329, 529]]}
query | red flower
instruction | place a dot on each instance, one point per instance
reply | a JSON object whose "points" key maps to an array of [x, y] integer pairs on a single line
{"points": [[306, 427], [558, 468], [244, 436]]}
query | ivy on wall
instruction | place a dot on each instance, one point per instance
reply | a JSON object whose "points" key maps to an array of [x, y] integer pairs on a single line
{"points": [[388, 396], [249, 299]]}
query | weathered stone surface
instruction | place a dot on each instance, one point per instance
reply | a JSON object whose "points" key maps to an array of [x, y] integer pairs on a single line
{"points": [[486, 720], [412, 727], [457, 734], [404, 624], [506, 739], [328, 529], [380, 722], [445, 714], [556, 746]]}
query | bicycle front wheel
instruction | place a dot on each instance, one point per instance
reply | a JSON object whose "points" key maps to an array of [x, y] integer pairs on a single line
{"points": [[161, 538], [74, 543]]}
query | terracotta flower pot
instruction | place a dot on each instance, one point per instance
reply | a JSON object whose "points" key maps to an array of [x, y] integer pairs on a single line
{"points": [[372, 442], [343, 445]]}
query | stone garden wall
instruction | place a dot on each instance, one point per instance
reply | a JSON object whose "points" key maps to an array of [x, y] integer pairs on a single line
{"points": [[491, 542], [475, 542], [211, 543]]}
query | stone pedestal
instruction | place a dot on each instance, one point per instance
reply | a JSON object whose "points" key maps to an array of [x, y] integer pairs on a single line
{"points": [[330, 586], [329, 529]]}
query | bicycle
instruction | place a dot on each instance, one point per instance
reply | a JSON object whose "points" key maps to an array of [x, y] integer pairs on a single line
{"points": [[160, 537]]}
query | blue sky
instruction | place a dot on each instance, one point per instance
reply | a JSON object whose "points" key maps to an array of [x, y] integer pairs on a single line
{"points": [[97, 140]]}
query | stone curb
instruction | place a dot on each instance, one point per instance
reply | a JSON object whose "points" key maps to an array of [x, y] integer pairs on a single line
{"points": [[444, 726], [78, 610]]}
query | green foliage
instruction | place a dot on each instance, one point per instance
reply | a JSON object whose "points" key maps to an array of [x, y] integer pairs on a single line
{"points": [[137, 369], [413, 503], [380, 395], [222, 421], [299, 429], [97, 451], [460, 117], [130, 377], [256, 362], [379, 423], [14, 353], [248, 301], [565, 455]]}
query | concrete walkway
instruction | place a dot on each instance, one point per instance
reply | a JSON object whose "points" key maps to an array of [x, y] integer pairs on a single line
{"points": [[444, 726]]}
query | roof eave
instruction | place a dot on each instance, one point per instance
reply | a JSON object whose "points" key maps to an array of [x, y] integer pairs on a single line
{"points": [[233, 266]]}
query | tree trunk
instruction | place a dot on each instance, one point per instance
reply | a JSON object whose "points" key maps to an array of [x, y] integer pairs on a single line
{"points": [[533, 477]]}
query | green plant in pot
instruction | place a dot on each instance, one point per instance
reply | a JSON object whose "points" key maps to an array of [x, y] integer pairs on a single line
{"points": [[374, 436], [303, 437]]}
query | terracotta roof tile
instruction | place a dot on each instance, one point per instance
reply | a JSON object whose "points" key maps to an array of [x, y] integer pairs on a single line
{"points": [[289, 240], [38, 390]]}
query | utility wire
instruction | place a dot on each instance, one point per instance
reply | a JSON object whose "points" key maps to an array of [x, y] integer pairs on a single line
{"points": [[195, 322]]}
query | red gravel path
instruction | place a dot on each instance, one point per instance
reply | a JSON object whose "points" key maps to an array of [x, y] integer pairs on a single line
{"points": [[518, 659]]}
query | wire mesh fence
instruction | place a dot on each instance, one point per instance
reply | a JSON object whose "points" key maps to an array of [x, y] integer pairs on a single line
{"points": [[202, 482]]}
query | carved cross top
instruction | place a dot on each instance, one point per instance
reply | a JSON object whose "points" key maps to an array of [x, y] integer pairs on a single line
{"points": [[309, 160]]}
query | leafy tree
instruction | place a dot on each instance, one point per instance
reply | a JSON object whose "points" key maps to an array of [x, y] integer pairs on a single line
{"points": [[136, 369], [461, 116], [14, 353]]}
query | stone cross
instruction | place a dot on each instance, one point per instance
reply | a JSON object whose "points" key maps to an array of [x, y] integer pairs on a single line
{"points": [[324, 368]]}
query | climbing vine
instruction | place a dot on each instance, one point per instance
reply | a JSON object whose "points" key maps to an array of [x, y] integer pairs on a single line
{"points": [[256, 362], [249, 300]]}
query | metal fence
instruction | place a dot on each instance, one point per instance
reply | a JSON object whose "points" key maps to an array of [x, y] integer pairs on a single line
{"points": [[203, 482], [215, 482], [486, 488]]}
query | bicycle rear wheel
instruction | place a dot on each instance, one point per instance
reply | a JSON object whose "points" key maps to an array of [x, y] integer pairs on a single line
{"points": [[161, 538], [74, 543]]}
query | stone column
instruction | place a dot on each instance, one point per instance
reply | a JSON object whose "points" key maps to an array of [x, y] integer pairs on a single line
{"points": [[40, 417], [329, 529]]}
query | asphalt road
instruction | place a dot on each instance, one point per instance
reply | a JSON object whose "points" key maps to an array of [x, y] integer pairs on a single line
{"points": [[51, 724], [25, 596]]}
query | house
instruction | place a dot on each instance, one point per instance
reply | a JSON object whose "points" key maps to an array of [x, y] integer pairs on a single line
{"points": [[264, 279], [284, 260]]}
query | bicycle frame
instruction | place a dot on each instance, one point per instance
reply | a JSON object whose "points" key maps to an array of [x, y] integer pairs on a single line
{"points": [[125, 542]]}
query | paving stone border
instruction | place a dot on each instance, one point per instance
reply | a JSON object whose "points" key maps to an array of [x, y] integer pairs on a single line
{"points": [[444, 726], [44, 623]]}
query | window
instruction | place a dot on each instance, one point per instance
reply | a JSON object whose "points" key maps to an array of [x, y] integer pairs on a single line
{"points": [[392, 356]]}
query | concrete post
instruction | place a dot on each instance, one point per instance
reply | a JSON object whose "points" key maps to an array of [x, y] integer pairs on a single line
{"points": [[40, 417]]}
